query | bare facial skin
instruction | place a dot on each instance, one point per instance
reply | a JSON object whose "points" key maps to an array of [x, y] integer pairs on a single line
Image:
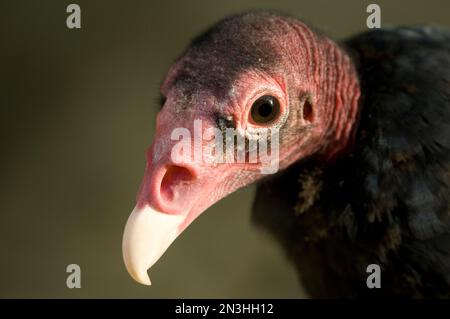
{"points": [[249, 72]]}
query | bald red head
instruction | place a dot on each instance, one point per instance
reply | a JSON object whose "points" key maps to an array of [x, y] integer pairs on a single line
{"points": [[252, 74]]}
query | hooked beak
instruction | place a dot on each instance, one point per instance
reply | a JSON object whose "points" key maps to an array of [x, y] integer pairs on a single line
{"points": [[173, 194], [148, 233], [170, 198]]}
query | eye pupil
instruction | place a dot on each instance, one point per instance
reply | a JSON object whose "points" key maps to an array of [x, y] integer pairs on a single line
{"points": [[265, 110]]}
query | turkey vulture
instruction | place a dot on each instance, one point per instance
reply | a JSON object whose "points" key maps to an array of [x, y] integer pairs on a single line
{"points": [[364, 151]]}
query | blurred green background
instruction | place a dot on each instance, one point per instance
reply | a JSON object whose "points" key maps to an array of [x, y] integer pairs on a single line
{"points": [[77, 114]]}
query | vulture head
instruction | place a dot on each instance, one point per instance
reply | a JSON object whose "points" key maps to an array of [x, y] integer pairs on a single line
{"points": [[285, 91]]}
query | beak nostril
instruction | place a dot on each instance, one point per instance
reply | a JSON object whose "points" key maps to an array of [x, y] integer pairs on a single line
{"points": [[175, 179]]}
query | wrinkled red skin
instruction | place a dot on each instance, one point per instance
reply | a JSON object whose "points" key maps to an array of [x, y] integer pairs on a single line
{"points": [[312, 66]]}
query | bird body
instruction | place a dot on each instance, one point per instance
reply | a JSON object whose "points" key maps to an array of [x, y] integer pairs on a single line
{"points": [[364, 130], [386, 200]]}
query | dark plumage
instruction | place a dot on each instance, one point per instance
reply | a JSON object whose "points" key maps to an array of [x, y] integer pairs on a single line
{"points": [[386, 201]]}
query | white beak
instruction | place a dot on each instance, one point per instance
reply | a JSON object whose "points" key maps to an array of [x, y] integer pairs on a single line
{"points": [[148, 233]]}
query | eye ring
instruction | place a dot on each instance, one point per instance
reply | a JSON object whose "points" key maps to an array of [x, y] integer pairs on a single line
{"points": [[265, 110]]}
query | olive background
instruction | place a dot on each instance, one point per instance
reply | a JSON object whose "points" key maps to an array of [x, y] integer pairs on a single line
{"points": [[77, 112]]}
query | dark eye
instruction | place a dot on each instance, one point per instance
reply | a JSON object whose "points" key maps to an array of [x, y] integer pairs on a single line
{"points": [[265, 110]]}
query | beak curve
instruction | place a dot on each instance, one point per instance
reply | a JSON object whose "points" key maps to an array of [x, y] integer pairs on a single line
{"points": [[148, 233], [173, 193]]}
